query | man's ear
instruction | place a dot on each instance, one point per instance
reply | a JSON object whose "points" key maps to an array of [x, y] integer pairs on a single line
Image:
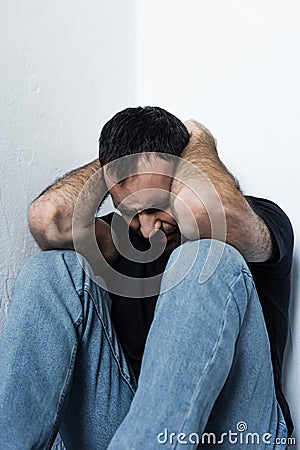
{"points": [[109, 177]]}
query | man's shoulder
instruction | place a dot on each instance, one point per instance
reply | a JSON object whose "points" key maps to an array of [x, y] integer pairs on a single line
{"points": [[271, 213], [280, 226]]}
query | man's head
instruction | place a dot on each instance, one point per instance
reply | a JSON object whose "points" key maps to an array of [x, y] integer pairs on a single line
{"points": [[154, 136], [141, 130]]}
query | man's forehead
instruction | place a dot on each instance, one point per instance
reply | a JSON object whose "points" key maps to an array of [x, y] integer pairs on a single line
{"points": [[155, 164], [156, 175], [148, 163], [149, 187], [143, 190], [146, 181], [144, 187], [145, 199]]}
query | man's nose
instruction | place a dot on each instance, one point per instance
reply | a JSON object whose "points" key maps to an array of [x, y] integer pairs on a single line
{"points": [[148, 223]]}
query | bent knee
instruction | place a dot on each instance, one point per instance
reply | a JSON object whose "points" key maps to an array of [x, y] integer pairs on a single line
{"points": [[49, 258], [45, 263], [207, 259]]}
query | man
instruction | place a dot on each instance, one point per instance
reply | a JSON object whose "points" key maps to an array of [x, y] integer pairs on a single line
{"points": [[91, 350]]}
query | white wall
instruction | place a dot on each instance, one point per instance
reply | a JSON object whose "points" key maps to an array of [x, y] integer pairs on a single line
{"points": [[235, 66], [65, 68]]}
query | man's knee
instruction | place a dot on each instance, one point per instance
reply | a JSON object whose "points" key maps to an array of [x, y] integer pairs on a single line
{"points": [[48, 268], [205, 261], [49, 282], [43, 263]]}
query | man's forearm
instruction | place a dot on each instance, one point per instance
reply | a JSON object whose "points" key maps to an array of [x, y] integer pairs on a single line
{"points": [[220, 195], [51, 215]]}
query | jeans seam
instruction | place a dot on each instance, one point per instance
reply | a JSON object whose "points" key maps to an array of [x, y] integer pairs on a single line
{"points": [[230, 299], [61, 399], [123, 375], [79, 293], [196, 390], [231, 286], [79, 320]]}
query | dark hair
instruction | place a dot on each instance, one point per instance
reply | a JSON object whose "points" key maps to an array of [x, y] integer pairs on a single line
{"points": [[141, 130]]}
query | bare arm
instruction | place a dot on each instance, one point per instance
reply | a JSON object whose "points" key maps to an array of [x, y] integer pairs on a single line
{"points": [[51, 216], [244, 229]]}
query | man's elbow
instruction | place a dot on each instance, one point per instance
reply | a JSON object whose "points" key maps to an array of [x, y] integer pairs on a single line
{"points": [[41, 219]]}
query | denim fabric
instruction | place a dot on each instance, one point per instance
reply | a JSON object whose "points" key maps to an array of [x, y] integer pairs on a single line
{"points": [[61, 364], [206, 366]]}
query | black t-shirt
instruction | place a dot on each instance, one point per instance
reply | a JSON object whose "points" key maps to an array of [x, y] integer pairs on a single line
{"points": [[132, 317]]}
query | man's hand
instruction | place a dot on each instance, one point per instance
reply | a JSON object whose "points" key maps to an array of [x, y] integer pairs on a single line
{"points": [[199, 131], [208, 202]]}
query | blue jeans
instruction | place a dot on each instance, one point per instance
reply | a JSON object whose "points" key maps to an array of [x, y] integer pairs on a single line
{"points": [[206, 368]]}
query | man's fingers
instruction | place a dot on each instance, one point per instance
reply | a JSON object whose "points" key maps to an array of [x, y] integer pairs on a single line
{"points": [[198, 130], [193, 126]]}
